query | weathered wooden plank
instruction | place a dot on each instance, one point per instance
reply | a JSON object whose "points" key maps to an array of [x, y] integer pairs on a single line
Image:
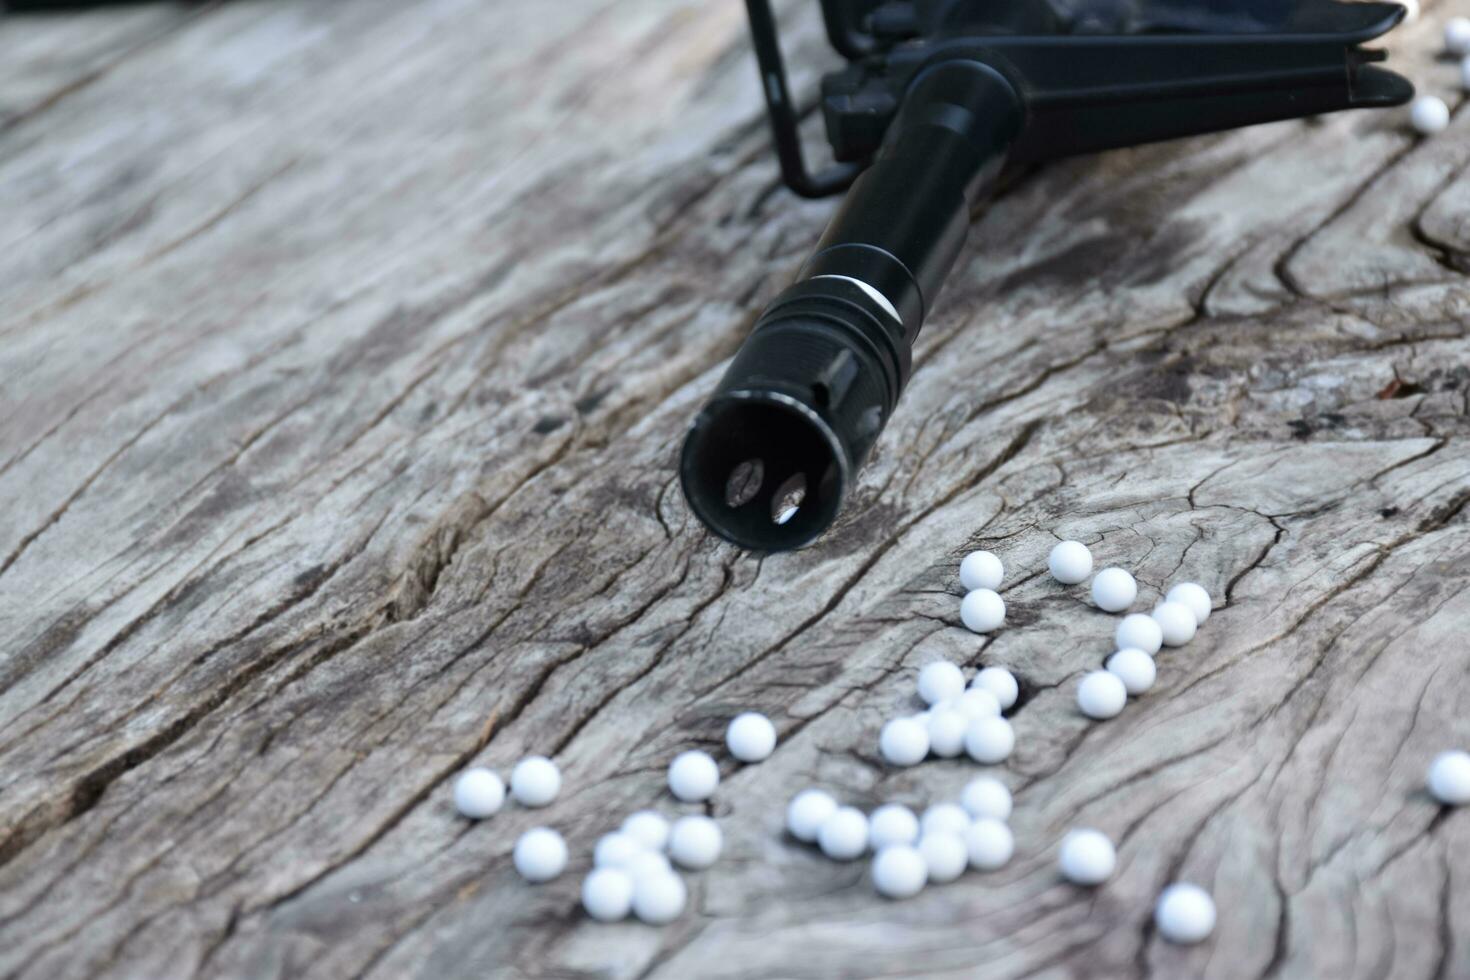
{"points": [[346, 351]]}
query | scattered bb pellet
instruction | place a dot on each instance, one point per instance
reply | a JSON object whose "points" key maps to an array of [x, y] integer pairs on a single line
{"points": [[1429, 115], [844, 835], [535, 781], [540, 854], [890, 824], [904, 742], [944, 818], [1140, 631], [982, 611], [1185, 913], [899, 871], [1101, 695], [944, 854], [989, 740], [947, 732], [659, 899], [1113, 589], [1449, 778], [981, 570], [478, 793], [693, 776], [751, 737], [1457, 36], [806, 813], [607, 894], [940, 681], [1176, 621], [978, 703], [986, 796], [1069, 562], [1000, 683], [615, 850], [695, 842], [649, 829], [989, 844], [1134, 668], [1087, 857], [1195, 597]]}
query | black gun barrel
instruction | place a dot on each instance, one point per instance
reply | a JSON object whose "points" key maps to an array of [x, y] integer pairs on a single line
{"points": [[771, 457]]}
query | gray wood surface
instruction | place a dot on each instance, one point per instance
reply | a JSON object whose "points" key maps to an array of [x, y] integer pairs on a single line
{"points": [[345, 349]]}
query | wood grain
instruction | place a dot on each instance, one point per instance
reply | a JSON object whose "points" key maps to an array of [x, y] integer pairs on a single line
{"points": [[345, 352]]}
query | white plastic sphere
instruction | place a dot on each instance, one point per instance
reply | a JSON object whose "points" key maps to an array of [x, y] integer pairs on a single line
{"points": [[646, 863], [693, 776], [986, 796], [648, 828], [944, 818], [1070, 562], [940, 681], [999, 682], [1113, 589], [1139, 631], [981, 570], [990, 844], [751, 737], [1185, 913], [899, 871], [904, 742], [944, 855], [1449, 778], [615, 850], [540, 854], [1134, 668], [982, 610], [989, 740], [535, 781], [806, 813], [890, 824], [695, 842], [1101, 694], [1457, 36], [1177, 624], [844, 835], [1087, 857], [978, 703], [607, 894], [1195, 597], [478, 793], [947, 733], [1429, 115], [659, 899]]}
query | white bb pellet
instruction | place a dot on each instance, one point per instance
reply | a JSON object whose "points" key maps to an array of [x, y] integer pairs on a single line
{"points": [[658, 899], [693, 776], [947, 732], [540, 854], [1101, 695], [1001, 683], [648, 828], [1070, 562], [1113, 589], [1449, 778], [978, 703], [844, 835], [982, 610], [806, 813], [695, 842], [1139, 631], [615, 850], [989, 740], [904, 742], [944, 818], [944, 854], [646, 863], [1087, 857], [607, 894], [1457, 36], [899, 871], [986, 796], [1195, 597], [535, 781], [940, 681], [1177, 624], [751, 737], [1134, 668], [890, 824], [478, 793], [1185, 913], [989, 844], [981, 570], [1429, 115]]}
